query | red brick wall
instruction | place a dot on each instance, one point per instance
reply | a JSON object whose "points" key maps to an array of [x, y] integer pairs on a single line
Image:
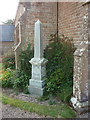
{"points": [[70, 20], [46, 13], [6, 47]]}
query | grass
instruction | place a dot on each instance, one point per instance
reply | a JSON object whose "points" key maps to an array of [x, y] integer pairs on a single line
{"points": [[63, 110]]}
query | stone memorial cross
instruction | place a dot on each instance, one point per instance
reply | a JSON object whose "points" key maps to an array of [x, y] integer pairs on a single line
{"points": [[37, 82]]}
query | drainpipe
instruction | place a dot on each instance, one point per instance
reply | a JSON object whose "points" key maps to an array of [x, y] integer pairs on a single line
{"points": [[17, 46], [16, 50]]}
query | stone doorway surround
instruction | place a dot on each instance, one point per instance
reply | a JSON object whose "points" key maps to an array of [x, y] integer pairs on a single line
{"points": [[81, 77]]}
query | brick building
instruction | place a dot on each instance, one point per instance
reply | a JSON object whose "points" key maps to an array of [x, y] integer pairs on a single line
{"points": [[68, 18], [64, 17]]}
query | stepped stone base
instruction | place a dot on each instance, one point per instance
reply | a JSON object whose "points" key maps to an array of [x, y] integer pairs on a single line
{"points": [[36, 87], [36, 91]]}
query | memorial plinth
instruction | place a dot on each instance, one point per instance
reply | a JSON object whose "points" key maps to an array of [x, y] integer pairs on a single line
{"points": [[37, 82]]}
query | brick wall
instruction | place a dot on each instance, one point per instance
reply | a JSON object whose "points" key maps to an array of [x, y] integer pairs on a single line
{"points": [[6, 47], [70, 20], [46, 13]]}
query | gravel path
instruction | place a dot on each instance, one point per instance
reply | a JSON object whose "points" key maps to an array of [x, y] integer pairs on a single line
{"points": [[13, 112], [27, 97], [85, 115]]}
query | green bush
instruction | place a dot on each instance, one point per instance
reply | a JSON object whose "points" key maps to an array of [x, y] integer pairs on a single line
{"points": [[59, 67], [23, 74], [9, 61], [66, 93], [20, 81], [25, 57], [7, 79]]}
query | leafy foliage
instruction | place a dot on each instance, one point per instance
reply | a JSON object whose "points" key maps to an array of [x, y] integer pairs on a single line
{"points": [[9, 61], [23, 74], [59, 54], [59, 67], [6, 80], [25, 57], [20, 81], [9, 21]]}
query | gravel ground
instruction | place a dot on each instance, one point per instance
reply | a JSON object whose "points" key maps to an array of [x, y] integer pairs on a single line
{"points": [[13, 112], [85, 115], [27, 97]]}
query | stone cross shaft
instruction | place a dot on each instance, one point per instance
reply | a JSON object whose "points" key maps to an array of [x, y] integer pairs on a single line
{"points": [[38, 45], [37, 82]]}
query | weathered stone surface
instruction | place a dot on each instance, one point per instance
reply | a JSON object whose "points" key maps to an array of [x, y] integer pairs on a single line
{"points": [[37, 82], [38, 46], [81, 79]]}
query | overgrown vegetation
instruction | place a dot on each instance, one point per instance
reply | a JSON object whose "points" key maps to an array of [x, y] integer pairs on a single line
{"points": [[25, 57], [60, 68], [20, 81], [9, 61], [59, 54], [54, 111], [19, 78], [23, 74], [7, 79]]}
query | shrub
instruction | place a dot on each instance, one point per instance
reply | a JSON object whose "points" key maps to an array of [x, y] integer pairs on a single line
{"points": [[59, 66], [25, 57], [7, 79], [9, 61], [66, 93], [20, 81], [23, 74]]}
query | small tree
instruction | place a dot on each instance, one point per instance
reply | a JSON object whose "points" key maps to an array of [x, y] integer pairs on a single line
{"points": [[9, 21]]}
